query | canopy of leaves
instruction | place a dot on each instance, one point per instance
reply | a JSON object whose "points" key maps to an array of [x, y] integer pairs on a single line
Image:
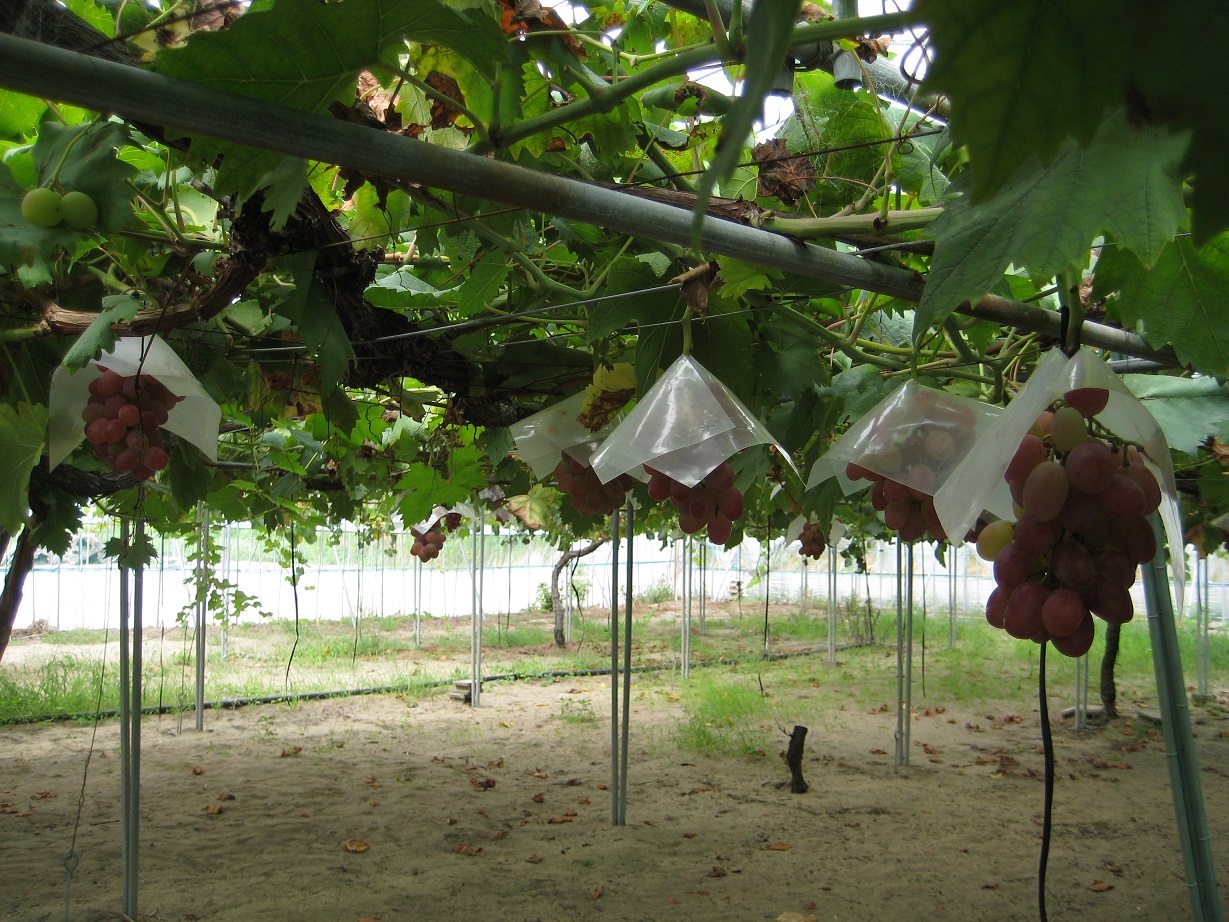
{"points": [[371, 339]]}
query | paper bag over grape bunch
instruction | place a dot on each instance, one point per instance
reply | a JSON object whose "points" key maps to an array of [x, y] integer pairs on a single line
{"points": [[122, 400], [905, 449]]}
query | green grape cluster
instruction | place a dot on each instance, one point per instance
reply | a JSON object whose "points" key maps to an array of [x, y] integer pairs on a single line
{"points": [[44, 207]]}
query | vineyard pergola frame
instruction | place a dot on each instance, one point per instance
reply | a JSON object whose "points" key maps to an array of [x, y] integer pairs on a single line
{"points": [[142, 97]]}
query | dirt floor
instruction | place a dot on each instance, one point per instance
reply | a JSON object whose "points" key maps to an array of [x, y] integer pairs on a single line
{"points": [[384, 808]]}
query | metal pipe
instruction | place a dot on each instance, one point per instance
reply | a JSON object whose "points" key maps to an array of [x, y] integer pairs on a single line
{"points": [[52, 73], [627, 665], [615, 787], [1192, 817]]}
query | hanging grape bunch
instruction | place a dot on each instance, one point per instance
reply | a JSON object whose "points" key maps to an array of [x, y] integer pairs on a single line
{"points": [[123, 419], [713, 503], [1081, 498], [813, 541], [452, 521], [588, 494], [427, 544]]}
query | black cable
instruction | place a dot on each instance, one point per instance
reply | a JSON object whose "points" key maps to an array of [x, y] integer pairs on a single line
{"points": [[1047, 745]]}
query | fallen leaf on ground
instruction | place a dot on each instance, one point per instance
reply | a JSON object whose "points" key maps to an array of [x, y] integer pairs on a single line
{"points": [[879, 752], [372, 782], [538, 798], [292, 751], [495, 763], [482, 784], [198, 770], [42, 795], [373, 803], [226, 797], [505, 724], [795, 917], [1100, 886], [535, 858], [778, 846], [376, 918], [468, 850], [356, 845], [597, 893], [214, 809], [718, 872], [989, 886], [556, 820]]}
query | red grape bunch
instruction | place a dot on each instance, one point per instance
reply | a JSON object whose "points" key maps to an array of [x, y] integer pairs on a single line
{"points": [[427, 544], [122, 420], [1081, 501], [588, 494], [713, 503], [813, 541], [908, 511], [452, 521]]}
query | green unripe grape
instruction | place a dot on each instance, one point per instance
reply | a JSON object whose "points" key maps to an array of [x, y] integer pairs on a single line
{"points": [[993, 538], [41, 207], [79, 210], [1067, 429]]}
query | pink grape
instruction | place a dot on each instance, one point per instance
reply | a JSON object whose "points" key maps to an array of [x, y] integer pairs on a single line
{"points": [[1123, 497], [108, 383], [1113, 601], [1073, 565], [1063, 612], [1090, 466], [1088, 400], [996, 606], [1079, 641], [719, 529], [1145, 480], [1032, 451], [1022, 617], [1067, 429], [1045, 491], [1035, 538], [731, 504], [1012, 567]]}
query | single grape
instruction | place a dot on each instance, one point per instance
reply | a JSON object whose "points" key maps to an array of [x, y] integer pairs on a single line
{"points": [[115, 431], [719, 529], [878, 500], [731, 504], [41, 207], [720, 478], [129, 415], [1022, 616], [1067, 429], [1088, 400], [1079, 641], [914, 527], [137, 440], [1114, 563], [922, 477], [1090, 466], [96, 432], [680, 493], [79, 210], [1041, 425], [92, 411], [1123, 497], [1072, 564], [1135, 538], [1045, 491], [1113, 601], [1030, 453], [702, 505], [940, 445], [689, 525], [993, 538], [1035, 538], [886, 460], [1063, 612], [156, 459], [124, 462], [931, 518], [1145, 480], [113, 404], [896, 515], [1012, 567], [996, 606], [856, 472]]}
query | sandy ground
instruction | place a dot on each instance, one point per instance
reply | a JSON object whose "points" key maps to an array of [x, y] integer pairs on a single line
{"points": [[380, 808]]}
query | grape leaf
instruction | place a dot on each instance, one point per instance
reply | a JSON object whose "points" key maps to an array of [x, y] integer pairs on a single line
{"points": [[22, 431], [99, 336], [61, 514], [1188, 410], [306, 55], [187, 475], [485, 279], [1125, 182], [1178, 302], [19, 114], [1026, 75]]}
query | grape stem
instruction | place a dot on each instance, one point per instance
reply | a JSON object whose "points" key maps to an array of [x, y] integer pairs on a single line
{"points": [[1047, 746]]}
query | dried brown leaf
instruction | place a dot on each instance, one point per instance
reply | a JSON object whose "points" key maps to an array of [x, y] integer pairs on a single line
{"points": [[356, 846]]}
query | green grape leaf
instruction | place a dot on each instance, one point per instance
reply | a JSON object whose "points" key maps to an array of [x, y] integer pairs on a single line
{"points": [[306, 55], [1188, 410], [22, 431], [631, 276], [1178, 302], [61, 521], [1125, 183], [138, 552], [99, 336], [485, 281], [19, 114], [1026, 75], [187, 475]]}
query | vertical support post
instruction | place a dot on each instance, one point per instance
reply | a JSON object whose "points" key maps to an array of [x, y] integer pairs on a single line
{"points": [[616, 787], [127, 859], [475, 619], [953, 561], [899, 737], [685, 631], [908, 726], [702, 566], [417, 602], [1193, 834], [202, 607], [832, 604], [627, 665], [1202, 615]]}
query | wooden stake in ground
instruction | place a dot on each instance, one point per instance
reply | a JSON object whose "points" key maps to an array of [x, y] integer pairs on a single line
{"points": [[793, 758]]}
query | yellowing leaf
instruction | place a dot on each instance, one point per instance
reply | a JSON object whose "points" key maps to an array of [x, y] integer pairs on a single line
{"points": [[356, 845]]}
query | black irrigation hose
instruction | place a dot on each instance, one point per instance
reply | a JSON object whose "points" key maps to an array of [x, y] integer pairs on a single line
{"points": [[1047, 745], [231, 704]]}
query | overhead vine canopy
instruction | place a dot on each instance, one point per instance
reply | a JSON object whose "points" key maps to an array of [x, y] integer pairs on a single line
{"points": [[379, 232]]}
